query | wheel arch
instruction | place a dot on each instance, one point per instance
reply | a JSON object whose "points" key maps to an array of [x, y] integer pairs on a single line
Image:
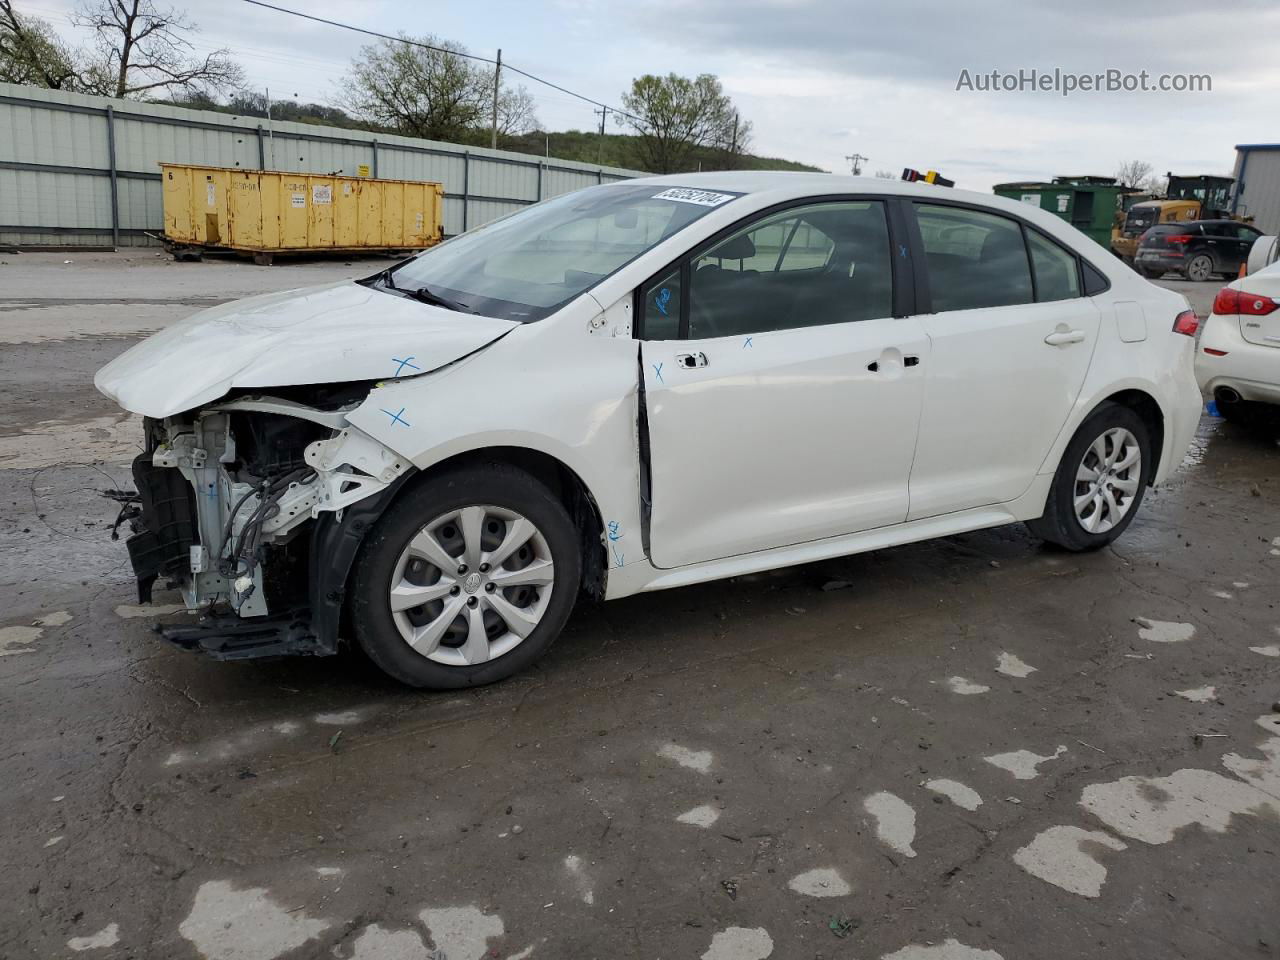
{"points": [[563, 481], [1148, 409]]}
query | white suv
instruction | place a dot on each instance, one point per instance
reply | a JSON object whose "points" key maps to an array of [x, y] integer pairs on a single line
{"points": [[639, 386]]}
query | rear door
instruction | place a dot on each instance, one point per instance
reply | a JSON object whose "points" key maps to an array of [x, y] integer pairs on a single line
{"points": [[782, 394], [1010, 347]]}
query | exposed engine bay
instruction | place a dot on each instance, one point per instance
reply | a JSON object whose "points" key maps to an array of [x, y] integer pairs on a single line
{"points": [[247, 507]]}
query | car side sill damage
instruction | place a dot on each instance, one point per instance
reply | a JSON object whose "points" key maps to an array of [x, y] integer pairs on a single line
{"points": [[255, 508]]}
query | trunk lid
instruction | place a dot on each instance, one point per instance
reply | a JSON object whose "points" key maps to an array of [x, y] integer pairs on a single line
{"points": [[1264, 286]]}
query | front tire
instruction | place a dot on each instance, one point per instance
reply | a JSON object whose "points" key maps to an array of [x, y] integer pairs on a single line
{"points": [[1100, 481], [467, 579]]}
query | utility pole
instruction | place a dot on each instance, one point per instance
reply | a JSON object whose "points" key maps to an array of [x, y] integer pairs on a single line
{"points": [[604, 112], [856, 161], [733, 146], [497, 81], [271, 138]]}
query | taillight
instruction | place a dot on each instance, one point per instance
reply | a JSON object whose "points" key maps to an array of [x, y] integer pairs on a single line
{"points": [[1179, 238], [1186, 323], [1230, 301]]}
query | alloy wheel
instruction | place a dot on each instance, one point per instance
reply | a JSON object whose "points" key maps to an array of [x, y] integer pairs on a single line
{"points": [[471, 585], [1107, 480], [1199, 269]]}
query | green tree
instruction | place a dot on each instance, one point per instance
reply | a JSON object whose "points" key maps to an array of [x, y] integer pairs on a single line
{"points": [[675, 117], [430, 88], [31, 53]]}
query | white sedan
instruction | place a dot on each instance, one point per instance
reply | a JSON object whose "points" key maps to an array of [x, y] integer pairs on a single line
{"points": [[638, 386], [1238, 363]]}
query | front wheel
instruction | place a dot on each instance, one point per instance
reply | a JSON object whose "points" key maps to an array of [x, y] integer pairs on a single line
{"points": [[467, 579], [1100, 481]]}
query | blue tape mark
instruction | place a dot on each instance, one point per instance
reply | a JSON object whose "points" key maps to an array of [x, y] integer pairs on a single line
{"points": [[396, 417], [747, 343], [1211, 408], [405, 363], [662, 299], [657, 370], [617, 557], [902, 250], [615, 531]]}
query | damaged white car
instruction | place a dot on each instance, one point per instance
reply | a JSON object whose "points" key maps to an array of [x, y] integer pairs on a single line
{"points": [[638, 386]]}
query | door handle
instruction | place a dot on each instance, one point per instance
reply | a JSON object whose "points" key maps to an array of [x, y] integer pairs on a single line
{"points": [[689, 361], [1060, 338], [907, 361]]}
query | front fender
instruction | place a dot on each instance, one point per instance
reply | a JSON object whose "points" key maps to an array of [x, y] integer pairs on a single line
{"points": [[552, 387]]}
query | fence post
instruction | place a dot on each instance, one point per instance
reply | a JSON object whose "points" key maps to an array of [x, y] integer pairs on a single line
{"points": [[539, 179], [111, 166], [262, 150], [599, 174], [375, 159], [466, 186]]}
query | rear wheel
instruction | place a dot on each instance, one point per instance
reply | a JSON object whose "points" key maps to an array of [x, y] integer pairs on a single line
{"points": [[1151, 274], [467, 579], [1100, 481], [1200, 267]]}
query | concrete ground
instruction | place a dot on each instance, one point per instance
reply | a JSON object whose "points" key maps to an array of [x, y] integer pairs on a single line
{"points": [[970, 749]]}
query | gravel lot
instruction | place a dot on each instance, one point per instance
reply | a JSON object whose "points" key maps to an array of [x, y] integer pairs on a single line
{"points": [[971, 749]]}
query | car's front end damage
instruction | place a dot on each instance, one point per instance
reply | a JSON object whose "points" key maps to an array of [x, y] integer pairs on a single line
{"points": [[254, 490], [254, 508]]}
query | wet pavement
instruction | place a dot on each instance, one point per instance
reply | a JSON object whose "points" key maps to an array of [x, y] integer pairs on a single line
{"points": [[969, 749]]}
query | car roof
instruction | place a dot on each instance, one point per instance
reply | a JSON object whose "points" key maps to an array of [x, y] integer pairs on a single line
{"points": [[799, 184]]}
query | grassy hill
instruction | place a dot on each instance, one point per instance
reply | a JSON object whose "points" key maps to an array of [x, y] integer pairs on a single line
{"points": [[619, 150]]}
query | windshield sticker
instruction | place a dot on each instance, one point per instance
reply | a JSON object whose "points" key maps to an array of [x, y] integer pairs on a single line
{"points": [[703, 198], [663, 298]]}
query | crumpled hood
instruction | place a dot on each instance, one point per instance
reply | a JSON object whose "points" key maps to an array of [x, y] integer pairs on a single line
{"points": [[334, 333]]}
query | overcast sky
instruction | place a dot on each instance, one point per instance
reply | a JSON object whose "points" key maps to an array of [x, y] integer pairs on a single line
{"points": [[823, 79]]}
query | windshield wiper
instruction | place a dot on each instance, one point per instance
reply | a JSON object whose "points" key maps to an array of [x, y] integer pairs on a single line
{"points": [[425, 295]]}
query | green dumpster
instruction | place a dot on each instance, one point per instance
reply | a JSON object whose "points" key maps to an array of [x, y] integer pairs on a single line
{"points": [[1087, 203]]}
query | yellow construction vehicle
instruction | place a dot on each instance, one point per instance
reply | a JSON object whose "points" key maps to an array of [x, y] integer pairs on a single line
{"points": [[1200, 197]]}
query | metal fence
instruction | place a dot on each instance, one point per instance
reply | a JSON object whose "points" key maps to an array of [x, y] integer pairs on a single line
{"points": [[80, 170]]}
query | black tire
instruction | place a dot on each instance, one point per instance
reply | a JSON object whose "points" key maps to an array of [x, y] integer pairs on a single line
{"points": [[1200, 263], [1151, 274], [1059, 524], [492, 484]]}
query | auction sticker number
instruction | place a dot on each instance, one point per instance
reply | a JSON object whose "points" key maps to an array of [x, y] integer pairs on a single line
{"points": [[703, 198]]}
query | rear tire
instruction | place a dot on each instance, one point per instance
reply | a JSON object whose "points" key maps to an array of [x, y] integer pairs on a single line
{"points": [[1199, 268], [1151, 274], [489, 606], [1098, 486]]}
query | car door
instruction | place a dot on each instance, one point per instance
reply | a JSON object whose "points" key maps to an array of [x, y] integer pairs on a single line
{"points": [[1010, 349], [782, 394]]}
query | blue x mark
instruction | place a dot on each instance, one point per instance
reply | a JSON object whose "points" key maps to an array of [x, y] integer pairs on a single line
{"points": [[657, 370], [902, 250], [396, 418], [617, 557], [404, 363], [746, 343]]}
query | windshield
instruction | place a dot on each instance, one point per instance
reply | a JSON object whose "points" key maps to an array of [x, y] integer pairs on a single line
{"points": [[1140, 217], [526, 266]]}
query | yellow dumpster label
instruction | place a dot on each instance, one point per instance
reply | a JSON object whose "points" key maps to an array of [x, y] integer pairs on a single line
{"points": [[298, 200], [211, 194], [362, 170], [322, 194]]}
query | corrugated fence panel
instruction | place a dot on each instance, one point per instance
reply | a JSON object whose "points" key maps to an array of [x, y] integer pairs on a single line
{"points": [[55, 165]]}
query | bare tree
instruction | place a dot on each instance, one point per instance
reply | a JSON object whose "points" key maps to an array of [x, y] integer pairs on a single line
{"points": [[143, 49], [674, 116], [31, 53], [1134, 174], [428, 87]]}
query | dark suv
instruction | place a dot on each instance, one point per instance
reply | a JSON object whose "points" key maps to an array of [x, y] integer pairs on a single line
{"points": [[1197, 249]]}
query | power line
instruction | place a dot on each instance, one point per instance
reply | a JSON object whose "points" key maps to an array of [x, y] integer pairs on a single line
{"points": [[456, 53]]}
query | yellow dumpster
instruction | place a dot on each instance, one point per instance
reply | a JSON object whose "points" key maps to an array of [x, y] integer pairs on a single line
{"points": [[265, 212]]}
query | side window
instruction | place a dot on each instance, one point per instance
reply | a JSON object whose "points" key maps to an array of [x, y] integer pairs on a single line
{"points": [[1056, 275], [662, 308], [974, 259], [803, 267]]}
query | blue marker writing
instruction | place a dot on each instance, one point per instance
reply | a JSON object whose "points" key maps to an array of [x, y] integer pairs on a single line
{"points": [[662, 299]]}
